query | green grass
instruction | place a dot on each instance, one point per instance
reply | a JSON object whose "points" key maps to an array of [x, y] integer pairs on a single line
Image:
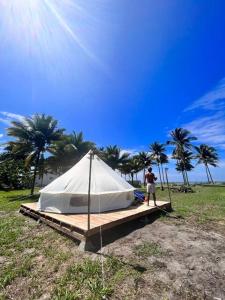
{"points": [[36, 253], [10, 229], [46, 260], [205, 204], [12, 271], [85, 280], [148, 249], [22, 240], [11, 201]]}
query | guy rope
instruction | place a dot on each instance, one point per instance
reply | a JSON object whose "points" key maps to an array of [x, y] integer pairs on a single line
{"points": [[89, 214]]}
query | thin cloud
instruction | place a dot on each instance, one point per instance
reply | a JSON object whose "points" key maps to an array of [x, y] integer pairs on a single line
{"points": [[210, 129], [213, 100], [5, 121], [222, 163], [1, 135], [8, 117], [134, 151], [130, 151], [12, 115]]}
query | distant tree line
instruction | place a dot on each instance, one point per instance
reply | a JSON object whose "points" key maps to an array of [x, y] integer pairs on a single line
{"points": [[38, 146]]}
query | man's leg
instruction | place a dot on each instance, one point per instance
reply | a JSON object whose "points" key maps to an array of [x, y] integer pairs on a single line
{"points": [[154, 198], [148, 193], [148, 198]]}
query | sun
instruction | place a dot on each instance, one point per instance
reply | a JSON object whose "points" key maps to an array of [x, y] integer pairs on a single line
{"points": [[45, 28]]}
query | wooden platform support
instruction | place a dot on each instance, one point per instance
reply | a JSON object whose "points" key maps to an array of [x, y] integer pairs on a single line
{"points": [[75, 225], [87, 245]]}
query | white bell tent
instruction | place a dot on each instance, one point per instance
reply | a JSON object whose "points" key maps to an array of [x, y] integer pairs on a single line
{"points": [[89, 186]]}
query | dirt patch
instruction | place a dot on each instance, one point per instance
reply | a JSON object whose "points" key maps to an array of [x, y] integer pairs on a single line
{"points": [[192, 264]]}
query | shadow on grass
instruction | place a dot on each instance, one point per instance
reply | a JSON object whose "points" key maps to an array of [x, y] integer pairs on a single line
{"points": [[136, 267], [168, 213], [23, 197]]}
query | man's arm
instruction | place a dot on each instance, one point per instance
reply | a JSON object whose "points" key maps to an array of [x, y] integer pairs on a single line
{"points": [[155, 178]]}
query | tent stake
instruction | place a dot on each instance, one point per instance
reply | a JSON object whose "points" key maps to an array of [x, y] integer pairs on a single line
{"points": [[89, 190], [168, 186]]}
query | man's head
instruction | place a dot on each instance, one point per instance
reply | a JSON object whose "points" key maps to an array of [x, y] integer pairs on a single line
{"points": [[150, 170]]}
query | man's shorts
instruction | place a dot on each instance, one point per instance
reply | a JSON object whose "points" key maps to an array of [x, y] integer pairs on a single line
{"points": [[150, 188]]}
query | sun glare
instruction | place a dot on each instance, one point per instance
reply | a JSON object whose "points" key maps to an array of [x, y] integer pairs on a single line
{"points": [[47, 28]]}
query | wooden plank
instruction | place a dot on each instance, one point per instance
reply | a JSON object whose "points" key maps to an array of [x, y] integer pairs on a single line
{"points": [[77, 223], [103, 216], [73, 219], [53, 218], [124, 220], [67, 219], [66, 230], [59, 217]]}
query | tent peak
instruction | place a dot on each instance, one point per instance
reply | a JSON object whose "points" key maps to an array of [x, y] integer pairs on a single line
{"points": [[91, 152]]}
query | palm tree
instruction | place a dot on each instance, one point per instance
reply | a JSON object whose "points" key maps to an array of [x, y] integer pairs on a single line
{"points": [[182, 140], [163, 160], [42, 168], [17, 150], [68, 151], [38, 132], [185, 165], [62, 155], [178, 154], [124, 168], [133, 166], [114, 156], [76, 140], [157, 154], [144, 161], [208, 156]]}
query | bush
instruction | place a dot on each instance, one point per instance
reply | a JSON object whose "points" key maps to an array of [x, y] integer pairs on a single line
{"points": [[14, 175]]}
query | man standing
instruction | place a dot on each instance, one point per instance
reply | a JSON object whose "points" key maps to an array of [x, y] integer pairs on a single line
{"points": [[150, 179]]}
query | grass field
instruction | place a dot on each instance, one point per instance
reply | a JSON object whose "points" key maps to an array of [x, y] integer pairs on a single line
{"points": [[204, 205], [36, 262]]}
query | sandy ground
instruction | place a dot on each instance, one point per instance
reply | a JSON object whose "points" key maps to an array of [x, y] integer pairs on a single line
{"points": [[192, 265]]}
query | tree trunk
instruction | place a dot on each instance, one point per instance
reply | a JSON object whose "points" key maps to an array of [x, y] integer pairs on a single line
{"points": [[132, 178], [144, 176], [210, 174], [163, 177], [187, 180], [178, 161], [160, 177], [207, 173], [184, 179], [35, 173]]}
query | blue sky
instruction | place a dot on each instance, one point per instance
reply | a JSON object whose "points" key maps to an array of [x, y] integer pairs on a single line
{"points": [[124, 72]]}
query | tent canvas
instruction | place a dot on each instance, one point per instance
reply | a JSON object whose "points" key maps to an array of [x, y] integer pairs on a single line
{"points": [[69, 192]]}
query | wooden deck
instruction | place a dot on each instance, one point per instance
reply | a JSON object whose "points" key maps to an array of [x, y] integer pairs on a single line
{"points": [[75, 225]]}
